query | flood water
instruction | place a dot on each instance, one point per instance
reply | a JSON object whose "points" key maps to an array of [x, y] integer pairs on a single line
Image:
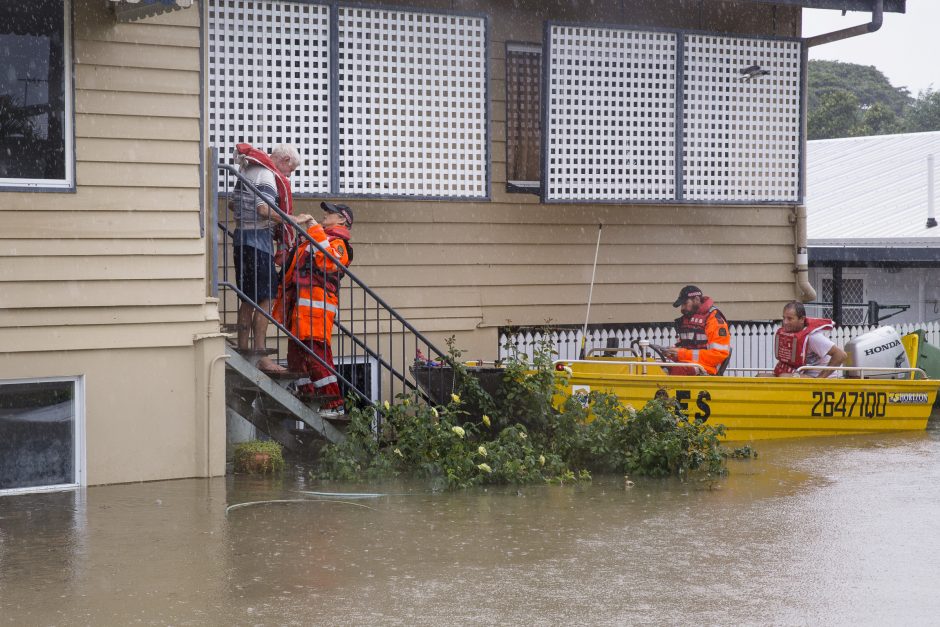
{"points": [[836, 530]]}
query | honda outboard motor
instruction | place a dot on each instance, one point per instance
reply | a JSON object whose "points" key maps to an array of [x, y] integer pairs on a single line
{"points": [[881, 348]]}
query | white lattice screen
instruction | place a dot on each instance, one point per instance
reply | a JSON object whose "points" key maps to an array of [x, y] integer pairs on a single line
{"points": [[269, 82], [741, 135], [611, 114], [412, 103]]}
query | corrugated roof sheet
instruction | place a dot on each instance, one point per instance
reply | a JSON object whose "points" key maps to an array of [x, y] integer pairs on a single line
{"points": [[871, 191]]}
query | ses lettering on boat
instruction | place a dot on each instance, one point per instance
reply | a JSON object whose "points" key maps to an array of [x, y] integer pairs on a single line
{"points": [[683, 397]]}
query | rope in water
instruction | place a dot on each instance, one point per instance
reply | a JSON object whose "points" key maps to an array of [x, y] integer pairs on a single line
{"points": [[252, 503], [349, 495]]}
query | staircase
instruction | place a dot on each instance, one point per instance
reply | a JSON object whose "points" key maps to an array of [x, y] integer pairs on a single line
{"points": [[266, 401], [373, 345]]}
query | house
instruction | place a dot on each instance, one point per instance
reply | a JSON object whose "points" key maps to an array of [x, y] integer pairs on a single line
{"points": [[871, 226], [480, 142], [110, 351]]}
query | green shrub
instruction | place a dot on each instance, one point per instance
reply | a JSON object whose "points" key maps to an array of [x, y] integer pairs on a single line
{"points": [[525, 439], [259, 456]]}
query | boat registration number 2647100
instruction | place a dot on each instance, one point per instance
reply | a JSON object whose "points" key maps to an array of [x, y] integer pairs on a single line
{"points": [[847, 404]]}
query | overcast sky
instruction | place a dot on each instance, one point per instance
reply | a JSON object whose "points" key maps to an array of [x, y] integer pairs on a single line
{"points": [[906, 49]]}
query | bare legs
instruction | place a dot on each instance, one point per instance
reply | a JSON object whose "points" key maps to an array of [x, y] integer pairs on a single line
{"points": [[253, 328]]}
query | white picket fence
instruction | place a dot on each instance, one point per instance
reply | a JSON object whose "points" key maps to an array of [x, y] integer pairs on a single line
{"points": [[752, 345]]}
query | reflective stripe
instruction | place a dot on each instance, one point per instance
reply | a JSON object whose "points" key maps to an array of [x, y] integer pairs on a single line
{"points": [[318, 304], [695, 355], [319, 383], [721, 347], [303, 381]]}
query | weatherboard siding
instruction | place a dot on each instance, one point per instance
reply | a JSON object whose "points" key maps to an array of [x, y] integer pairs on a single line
{"points": [[121, 256]]}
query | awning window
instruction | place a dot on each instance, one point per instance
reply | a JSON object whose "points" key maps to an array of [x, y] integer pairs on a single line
{"points": [[130, 10]]}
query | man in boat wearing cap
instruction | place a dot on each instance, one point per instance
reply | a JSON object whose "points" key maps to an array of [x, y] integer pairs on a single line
{"points": [[703, 334], [801, 341], [308, 302]]}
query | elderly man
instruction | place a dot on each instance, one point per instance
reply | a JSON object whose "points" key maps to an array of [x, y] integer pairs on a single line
{"points": [[257, 226], [801, 341], [703, 333]]}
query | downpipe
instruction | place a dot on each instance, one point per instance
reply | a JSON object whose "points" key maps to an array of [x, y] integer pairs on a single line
{"points": [[805, 291], [877, 19]]}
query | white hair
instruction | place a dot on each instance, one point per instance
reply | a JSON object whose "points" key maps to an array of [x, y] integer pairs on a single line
{"points": [[286, 151]]}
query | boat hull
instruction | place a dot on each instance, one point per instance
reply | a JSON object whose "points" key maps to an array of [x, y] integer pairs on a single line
{"points": [[764, 408]]}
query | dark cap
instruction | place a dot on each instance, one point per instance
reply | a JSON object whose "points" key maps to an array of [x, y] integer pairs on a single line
{"points": [[686, 293], [342, 210]]}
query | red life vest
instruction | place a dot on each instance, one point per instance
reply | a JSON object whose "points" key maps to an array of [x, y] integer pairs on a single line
{"points": [[790, 348], [285, 199], [691, 328]]}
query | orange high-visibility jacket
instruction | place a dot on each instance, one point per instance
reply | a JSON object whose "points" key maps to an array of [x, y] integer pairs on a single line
{"points": [[704, 338], [308, 299]]}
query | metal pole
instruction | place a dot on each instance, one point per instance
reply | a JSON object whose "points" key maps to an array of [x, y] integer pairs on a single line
{"points": [[213, 175], [837, 295], [931, 216], [587, 316]]}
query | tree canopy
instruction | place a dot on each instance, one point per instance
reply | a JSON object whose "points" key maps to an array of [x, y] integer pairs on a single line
{"points": [[851, 100]]}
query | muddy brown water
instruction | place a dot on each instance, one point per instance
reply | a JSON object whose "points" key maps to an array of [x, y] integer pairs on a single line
{"points": [[836, 530]]}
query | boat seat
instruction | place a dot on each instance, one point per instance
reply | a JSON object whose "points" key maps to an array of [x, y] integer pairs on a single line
{"points": [[725, 363]]}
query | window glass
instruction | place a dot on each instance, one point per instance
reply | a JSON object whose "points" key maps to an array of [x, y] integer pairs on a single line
{"points": [[32, 92], [37, 434], [853, 291], [523, 114]]}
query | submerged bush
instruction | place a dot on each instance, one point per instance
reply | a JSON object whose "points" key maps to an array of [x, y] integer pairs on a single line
{"points": [[259, 456], [522, 438]]}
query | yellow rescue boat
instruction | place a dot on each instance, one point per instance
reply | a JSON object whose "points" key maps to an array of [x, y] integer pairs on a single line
{"points": [[763, 408]]}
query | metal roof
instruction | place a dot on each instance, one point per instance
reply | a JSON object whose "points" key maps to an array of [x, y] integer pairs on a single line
{"points": [[871, 191]]}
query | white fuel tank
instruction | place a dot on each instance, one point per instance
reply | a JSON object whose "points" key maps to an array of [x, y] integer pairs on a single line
{"points": [[880, 348]]}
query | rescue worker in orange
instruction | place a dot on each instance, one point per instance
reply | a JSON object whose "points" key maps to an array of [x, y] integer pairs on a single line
{"points": [[703, 333], [308, 302], [801, 341]]}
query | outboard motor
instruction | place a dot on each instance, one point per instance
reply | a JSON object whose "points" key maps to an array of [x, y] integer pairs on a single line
{"points": [[881, 348]]}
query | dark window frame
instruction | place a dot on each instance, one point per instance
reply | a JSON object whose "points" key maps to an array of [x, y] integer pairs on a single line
{"points": [[67, 183], [514, 185]]}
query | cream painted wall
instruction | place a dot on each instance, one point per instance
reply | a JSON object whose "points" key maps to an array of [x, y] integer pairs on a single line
{"points": [[145, 409], [109, 281]]}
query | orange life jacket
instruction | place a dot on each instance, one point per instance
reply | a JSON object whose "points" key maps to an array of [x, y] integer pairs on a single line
{"points": [[790, 348], [695, 345], [308, 298]]}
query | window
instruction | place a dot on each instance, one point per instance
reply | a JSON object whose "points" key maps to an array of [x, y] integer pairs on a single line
{"points": [[741, 131], [412, 104], [395, 107], [853, 295], [523, 116], [35, 95], [611, 123], [269, 82], [40, 434]]}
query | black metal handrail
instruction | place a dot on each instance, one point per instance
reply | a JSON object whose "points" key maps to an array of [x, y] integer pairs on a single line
{"points": [[352, 339]]}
